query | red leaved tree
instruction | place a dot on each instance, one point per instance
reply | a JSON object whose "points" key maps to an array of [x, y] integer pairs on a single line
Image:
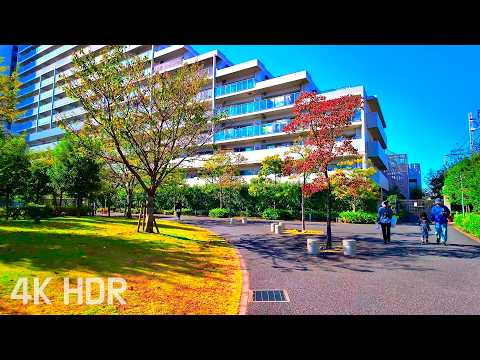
{"points": [[322, 122]]}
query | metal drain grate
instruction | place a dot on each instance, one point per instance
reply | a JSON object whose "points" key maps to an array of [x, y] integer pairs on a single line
{"points": [[269, 296]]}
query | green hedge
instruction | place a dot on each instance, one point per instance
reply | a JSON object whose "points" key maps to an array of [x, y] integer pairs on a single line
{"points": [[278, 214], [73, 211], [220, 212], [271, 214], [357, 217], [34, 210], [469, 222]]}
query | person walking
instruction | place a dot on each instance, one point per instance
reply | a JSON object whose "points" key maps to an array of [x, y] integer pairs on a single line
{"points": [[439, 216], [384, 218], [178, 209], [424, 223]]}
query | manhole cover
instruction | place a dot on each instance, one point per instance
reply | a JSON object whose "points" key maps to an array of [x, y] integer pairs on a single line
{"points": [[269, 296]]}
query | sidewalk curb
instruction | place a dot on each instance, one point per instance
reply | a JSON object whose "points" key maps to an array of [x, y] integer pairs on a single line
{"points": [[242, 310], [470, 236]]}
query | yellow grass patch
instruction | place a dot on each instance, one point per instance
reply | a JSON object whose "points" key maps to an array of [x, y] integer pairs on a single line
{"points": [[182, 270]]}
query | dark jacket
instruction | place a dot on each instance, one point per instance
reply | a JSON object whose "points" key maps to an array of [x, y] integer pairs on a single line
{"points": [[384, 215], [440, 214], [178, 207]]}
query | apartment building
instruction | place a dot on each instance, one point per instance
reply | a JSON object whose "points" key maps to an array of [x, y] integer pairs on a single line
{"points": [[414, 176], [258, 105]]}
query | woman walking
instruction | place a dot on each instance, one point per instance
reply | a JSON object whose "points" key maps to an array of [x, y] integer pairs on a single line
{"points": [[384, 218]]}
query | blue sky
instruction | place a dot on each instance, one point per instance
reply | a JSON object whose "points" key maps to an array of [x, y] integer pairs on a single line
{"points": [[425, 92]]}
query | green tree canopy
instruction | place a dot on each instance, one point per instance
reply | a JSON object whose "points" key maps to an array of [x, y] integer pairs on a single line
{"points": [[14, 167], [464, 175]]}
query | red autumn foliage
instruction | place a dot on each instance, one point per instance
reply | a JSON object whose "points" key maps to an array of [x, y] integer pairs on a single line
{"points": [[324, 121]]}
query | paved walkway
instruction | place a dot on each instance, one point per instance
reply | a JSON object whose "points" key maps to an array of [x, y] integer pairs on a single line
{"points": [[403, 277]]}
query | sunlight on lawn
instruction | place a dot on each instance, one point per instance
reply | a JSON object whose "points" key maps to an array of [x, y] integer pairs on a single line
{"points": [[182, 270]]}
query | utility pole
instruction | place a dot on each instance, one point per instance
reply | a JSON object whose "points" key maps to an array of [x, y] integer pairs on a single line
{"points": [[461, 189], [472, 126]]}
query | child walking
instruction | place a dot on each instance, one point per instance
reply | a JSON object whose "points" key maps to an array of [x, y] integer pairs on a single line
{"points": [[424, 224]]}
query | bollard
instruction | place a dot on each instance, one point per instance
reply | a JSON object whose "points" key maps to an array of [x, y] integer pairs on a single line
{"points": [[312, 246], [231, 221], [244, 220], [282, 225], [272, 227], [278, 229], [349, 247]]}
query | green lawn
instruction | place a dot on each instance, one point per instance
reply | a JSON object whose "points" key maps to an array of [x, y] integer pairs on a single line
{"points": [[182, 270]]}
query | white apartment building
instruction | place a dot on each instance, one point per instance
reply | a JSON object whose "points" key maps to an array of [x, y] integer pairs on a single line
{"points": [[258, 105]]}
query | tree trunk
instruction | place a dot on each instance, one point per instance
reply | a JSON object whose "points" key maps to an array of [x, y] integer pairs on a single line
{"points": [[7, 207], [353, 207], [329, 220], [221, 198], [150, 212], [61, 198], [303, 212], [303, 204], [128, 214]]}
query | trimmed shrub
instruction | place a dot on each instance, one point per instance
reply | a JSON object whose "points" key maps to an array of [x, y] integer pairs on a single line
{"points": [[271, 214], [469, 222], [357, 217], [72, 211], [3, 212], [320, 215], [168, 212], [219, 212], [33, 210], [279, 214]]}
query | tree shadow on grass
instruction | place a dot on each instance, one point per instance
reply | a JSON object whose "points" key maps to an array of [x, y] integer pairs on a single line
{"points": [[104, 255], [49, 224]]}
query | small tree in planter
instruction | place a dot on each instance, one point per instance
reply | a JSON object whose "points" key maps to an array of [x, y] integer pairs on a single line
{"points": [[322, 122], [221, 171], [354, 185]]}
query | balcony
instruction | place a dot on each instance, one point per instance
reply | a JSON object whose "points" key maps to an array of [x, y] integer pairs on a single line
{"points": [[261, 105], [250, 131], [59, 51], [33, 52], [375, 127], [235, 87], [376, 153], [381, 180], [167, 65]]}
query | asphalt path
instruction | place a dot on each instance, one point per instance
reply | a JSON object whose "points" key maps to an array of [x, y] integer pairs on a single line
{"points": [[403, 277]]}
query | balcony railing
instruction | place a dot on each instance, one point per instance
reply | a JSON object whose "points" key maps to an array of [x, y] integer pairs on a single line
{"points": [[167, 65], [265, 104], [235, 87], [249, 131]]}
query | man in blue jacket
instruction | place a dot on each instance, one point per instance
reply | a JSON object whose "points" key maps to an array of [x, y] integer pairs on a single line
{"points": [[439, 216]]}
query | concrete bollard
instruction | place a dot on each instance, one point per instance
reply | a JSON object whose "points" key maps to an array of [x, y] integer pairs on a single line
{"points": [[272, 227], [312, 246], [349, 247], [278, 229], [282, 225], [244, 220], [231, 221]]}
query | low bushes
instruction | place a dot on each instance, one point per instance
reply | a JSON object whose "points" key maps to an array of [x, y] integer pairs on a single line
{"points": [[72, 211], [357, 217], [220, 212], [34, 210], [469, 222], [278, 214], [271, 214]]}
